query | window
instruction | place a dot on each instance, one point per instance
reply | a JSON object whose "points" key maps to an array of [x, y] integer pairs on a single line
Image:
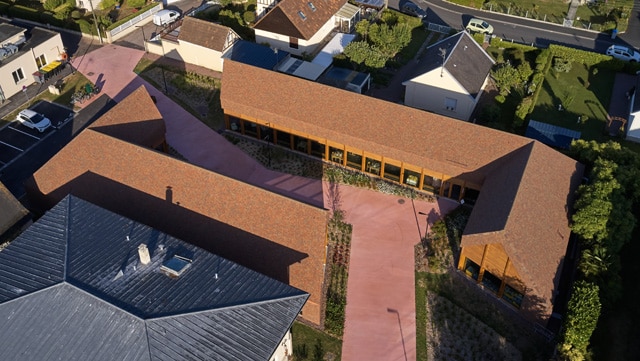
{"points": [[471, 269], [293, 43], [450, 104], [41, 61], [311, 6], [512, 296], [18, 75], [302, 15], [491, 282]]}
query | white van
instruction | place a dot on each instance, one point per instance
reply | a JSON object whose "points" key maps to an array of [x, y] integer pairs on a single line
{"points": [[165, 17]]}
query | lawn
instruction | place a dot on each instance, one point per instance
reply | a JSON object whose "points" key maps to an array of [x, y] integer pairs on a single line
{"points": [[309, 343], [582, 94]]}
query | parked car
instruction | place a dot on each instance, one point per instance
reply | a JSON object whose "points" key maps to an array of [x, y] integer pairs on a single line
{"points": [[165, 17], [33, 120], [623, 53], [410, 8], [476, 25]]}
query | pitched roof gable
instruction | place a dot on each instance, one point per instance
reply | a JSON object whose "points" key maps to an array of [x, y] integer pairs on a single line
{"points": [[295, 18], [204, 33], [399, 132], [106, 299], [135, 119], [464, 59]]}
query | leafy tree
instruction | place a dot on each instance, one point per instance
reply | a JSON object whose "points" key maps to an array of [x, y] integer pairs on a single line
{"points": [[362, 28], [375, 59], [594, 261], [389, 41], [357, 51], [582, 316], [506, 77]]}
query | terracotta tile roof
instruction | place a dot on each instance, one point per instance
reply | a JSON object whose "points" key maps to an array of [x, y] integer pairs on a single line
{"points": [[524, 205], [204, 33], [236, 220], [396, 131], [285, 18], [12, 210], [526, 197], [135, 119]]}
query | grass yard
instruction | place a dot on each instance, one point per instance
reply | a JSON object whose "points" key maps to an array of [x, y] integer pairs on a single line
{"points": [[582, 94], [312, 344]]}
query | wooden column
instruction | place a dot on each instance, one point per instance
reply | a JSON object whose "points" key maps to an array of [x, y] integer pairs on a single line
{"points": [[482, 263]]}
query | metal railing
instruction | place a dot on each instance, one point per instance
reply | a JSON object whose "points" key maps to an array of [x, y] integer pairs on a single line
{"points": [[133, 21]]}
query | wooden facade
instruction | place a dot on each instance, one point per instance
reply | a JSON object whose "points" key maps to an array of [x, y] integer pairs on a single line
{"points": [[489, 265], [358, 159]]}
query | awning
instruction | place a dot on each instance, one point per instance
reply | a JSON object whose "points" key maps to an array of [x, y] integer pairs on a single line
{"points": [[348, 11]]}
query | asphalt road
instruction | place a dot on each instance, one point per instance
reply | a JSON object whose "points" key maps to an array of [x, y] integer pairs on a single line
{"points": [[527, 31]]}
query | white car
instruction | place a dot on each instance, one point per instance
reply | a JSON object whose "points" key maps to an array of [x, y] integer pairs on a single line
{"points": [[623, 53], [476, 25], [33, 120], [165, 17]]}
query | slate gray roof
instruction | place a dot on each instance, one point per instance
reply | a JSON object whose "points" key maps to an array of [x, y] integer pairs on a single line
{"points": [[72, 287], [464, 59]]}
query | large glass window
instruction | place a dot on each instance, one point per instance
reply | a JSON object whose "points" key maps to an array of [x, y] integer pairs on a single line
{"points": [[234, 124], [512, 296], [284, 139], [455, 191], [301, 143], [411, 178], [250, 129], [491, 282], [335, 155], [471, 269], [317, 149], [392, 172], [431, 184], [372, 166], [354, 160]]}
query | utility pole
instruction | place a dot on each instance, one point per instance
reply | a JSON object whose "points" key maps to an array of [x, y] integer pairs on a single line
{"points": [[95, 20]]}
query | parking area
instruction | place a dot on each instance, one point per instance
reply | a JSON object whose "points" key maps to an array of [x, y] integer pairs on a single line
{"points": [[17, 139]]}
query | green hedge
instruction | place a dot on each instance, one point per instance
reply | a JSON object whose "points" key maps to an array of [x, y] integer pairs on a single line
{"points": [[120, 22]]}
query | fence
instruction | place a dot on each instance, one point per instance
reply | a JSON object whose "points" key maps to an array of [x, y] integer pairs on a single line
{"points": [[132, 22], [439, 28]]}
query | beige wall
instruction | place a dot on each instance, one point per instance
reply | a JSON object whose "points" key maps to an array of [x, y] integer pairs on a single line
{"points": [[25, 59], [304, 46], [284, 350], [430, 90], [189, 53]]}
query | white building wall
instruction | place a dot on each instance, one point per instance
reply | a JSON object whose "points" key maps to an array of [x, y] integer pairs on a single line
{"points": [[633, 132], [280, 41], [419, 93], [25, 59], [189, 53], [284, 350]]}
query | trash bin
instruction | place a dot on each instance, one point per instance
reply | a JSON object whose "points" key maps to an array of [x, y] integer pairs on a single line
{"points": [[614, 33]]}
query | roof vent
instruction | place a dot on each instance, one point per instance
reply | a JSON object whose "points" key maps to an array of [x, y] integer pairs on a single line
{"points": [[143, 252], [175, 266]]}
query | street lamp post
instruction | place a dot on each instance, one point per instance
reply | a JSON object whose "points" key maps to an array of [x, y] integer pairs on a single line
{"points": [[426, 232], [95, 20], [164, 79]]}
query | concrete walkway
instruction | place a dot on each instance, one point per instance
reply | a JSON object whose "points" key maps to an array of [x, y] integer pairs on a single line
{"points": [[380, 315]]}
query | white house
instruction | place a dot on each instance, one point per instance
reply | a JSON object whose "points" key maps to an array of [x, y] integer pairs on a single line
{"points": [[195, 41], [24, 54], [300, 26], [450, 77], [633, 123]]}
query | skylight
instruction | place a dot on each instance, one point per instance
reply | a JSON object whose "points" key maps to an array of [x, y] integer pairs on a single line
{"points": [[175, 266], [302, 15], [311, 6]]}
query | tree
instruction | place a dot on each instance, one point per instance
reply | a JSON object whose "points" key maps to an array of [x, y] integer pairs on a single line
{"points": [[362, 28], [357, 51], [506, 77], [594, 261], [583, 312], [389, 41]]}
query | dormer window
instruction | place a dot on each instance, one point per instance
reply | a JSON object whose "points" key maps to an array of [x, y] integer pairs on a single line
{"points": [[302, 15], [311, 6]]}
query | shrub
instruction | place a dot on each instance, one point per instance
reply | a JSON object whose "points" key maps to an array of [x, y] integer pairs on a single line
{"points": [[136, 3], [561, 65], [85, 27], [76, 14], [249, 17], [500, 98], [108, 4], [52, 4]]}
